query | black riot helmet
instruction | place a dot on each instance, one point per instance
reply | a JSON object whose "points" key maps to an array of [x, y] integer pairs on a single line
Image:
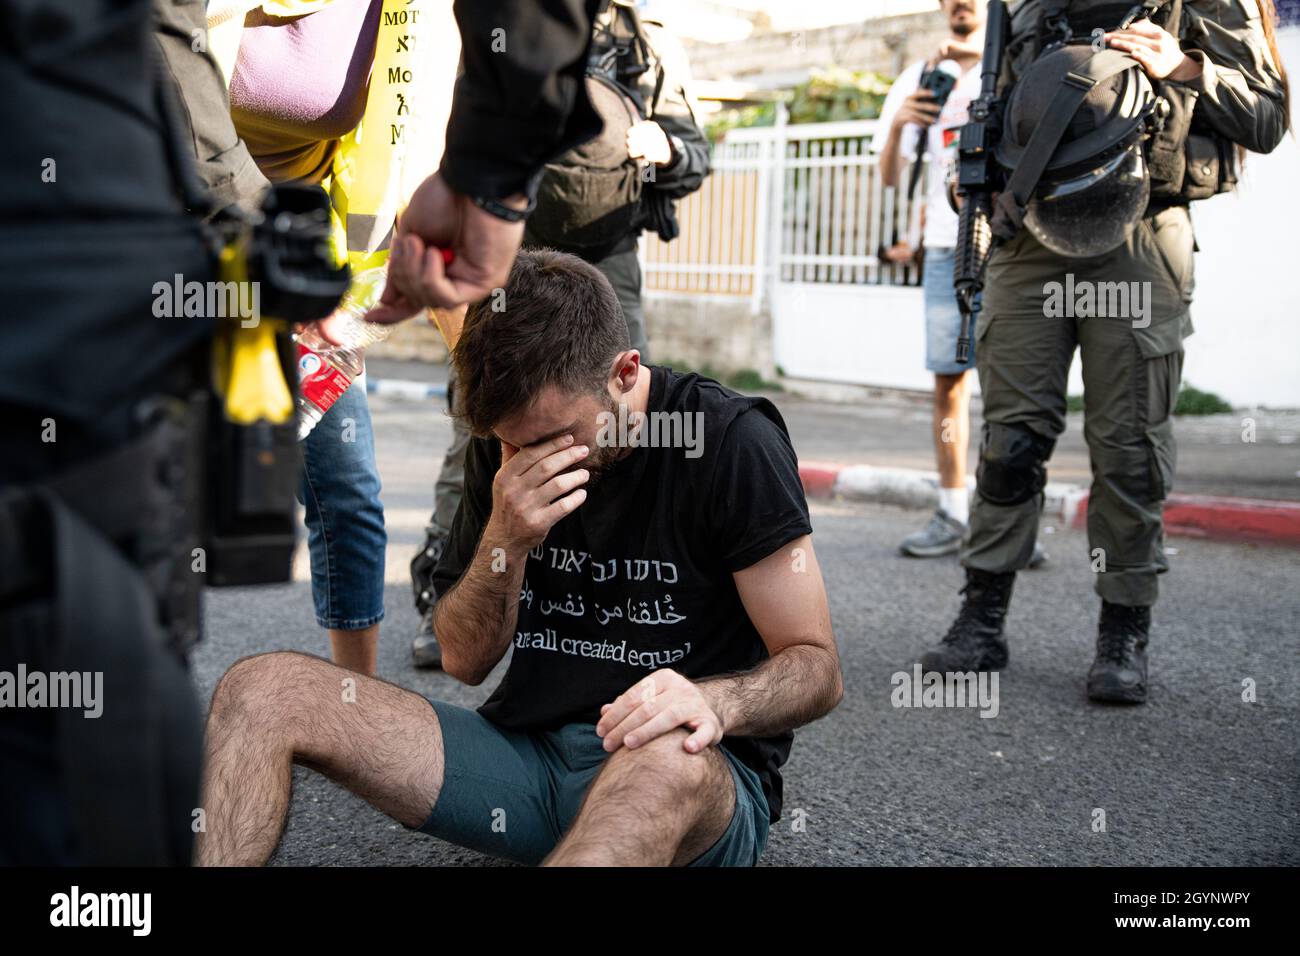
{"points": [[1072, 147]]}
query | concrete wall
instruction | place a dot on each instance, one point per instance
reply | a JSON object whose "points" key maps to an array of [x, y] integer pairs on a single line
{"points": [[773, 60], [715, 330], [415, 339]]}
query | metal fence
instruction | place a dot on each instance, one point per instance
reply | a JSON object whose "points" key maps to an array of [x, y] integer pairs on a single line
{"points": [[832, 215]]}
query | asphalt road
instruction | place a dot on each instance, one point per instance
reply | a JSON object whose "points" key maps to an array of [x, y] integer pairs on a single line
{"points": [[1196, 777]]}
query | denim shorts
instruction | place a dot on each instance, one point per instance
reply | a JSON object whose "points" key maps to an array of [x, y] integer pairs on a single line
{"points": [[942, 317], [345, 518], [513, 795]]}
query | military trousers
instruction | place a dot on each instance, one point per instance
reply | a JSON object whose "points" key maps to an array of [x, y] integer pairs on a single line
{"points": [[1126, 312], [623, 270]]}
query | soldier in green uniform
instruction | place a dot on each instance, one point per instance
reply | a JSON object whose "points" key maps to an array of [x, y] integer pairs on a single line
{"points": [[1126, 309]]}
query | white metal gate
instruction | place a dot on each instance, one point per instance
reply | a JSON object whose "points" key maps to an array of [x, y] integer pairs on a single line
{"points": [[793, 218]]}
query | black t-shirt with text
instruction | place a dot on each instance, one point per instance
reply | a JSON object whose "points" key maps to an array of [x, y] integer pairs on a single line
{"points": [[639, 577]]}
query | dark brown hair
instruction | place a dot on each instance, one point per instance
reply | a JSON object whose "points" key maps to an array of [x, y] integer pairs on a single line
{"points": [[557, 322]]}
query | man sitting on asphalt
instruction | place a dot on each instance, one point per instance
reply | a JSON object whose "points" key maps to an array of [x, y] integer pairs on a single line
{"points": [[640, 538]]}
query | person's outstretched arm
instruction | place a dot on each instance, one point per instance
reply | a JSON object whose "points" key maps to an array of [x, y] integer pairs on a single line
{"points": [[521, 99], [520, 102]]}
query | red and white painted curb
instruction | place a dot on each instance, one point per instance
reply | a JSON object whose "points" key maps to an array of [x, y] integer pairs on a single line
{"points": [[1199, 516]]}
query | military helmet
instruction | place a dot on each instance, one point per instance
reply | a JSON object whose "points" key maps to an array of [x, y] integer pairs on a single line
{"points": [[1077, 118]]}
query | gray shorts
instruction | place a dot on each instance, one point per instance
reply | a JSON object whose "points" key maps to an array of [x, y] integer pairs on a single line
{"points": [[513, 795]]}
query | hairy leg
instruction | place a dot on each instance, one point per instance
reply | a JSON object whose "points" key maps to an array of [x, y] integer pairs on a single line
{"points": [[652, 806], [270, 711], [952, 427]]}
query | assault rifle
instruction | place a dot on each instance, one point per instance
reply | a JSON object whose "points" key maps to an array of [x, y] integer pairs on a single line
{"points": [[978, 178]]}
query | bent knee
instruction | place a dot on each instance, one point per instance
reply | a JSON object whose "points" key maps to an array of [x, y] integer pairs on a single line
{"points": [[262, 687], [666, 763]]}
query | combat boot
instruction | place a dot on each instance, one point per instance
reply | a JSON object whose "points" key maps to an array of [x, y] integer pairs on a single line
{"points": [[975, 641], [1119, 674]]}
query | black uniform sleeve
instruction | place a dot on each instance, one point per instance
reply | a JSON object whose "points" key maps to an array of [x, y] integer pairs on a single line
{"points": [[221, 159], [676, 115], [1240, 92], [482, 461], [756, 503], [521, 99]]}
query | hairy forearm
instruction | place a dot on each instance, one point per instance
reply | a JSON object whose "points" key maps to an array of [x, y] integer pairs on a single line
{"points": [[792, 688], [475, 620]]}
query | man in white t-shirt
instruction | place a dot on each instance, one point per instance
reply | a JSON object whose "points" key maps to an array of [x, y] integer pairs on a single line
{"points": [[908, 111]]}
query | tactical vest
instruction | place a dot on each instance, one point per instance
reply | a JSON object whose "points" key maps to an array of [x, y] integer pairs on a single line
{"points": [[1187, 160], [594, 197]]}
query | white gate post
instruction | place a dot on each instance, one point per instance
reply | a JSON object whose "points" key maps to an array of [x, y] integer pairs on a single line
{"points": [[767, 221]]}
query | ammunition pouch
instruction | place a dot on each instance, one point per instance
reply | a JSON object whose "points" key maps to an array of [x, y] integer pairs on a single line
{"points": [[1187, 165], [256, 461]]}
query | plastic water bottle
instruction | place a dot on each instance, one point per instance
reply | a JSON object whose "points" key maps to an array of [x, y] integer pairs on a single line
{"points": [[326, 371]]}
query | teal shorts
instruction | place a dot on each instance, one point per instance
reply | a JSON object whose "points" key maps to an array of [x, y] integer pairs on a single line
{"points": [[513, 795]]}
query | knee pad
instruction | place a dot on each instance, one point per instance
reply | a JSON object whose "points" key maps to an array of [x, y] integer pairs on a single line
{"points": [[1011, 463]]}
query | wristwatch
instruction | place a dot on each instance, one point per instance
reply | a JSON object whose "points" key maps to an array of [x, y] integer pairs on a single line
{"points": [[499, 209]]}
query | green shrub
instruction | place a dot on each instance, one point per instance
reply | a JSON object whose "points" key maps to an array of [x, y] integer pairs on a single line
{"points": [[1193, 401], [748, 380], [744, 380]]}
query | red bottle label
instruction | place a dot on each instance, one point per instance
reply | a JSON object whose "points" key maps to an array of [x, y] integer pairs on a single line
{"points": [[319, 381]]}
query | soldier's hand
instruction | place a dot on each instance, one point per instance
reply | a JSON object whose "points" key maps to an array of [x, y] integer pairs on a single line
{"points": [[1156, 50], [482, 247], [647, 140]]}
